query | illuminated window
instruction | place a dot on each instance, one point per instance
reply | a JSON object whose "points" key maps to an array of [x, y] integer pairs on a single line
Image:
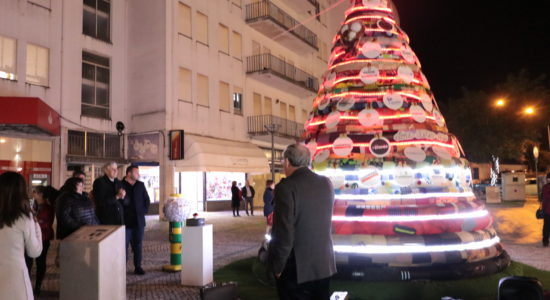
{"points": [[95, 86], [268, 106], [237, 100], [184, 88], [202, 90], [37, 65], [202, 28], [225, 101], [8, 49], [282, 110], [292, 113], [97, 18], [184, 19]]}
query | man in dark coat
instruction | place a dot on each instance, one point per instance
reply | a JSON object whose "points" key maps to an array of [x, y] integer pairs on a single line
{"points": [[248, 193], [109, 194], [136, 204], [301, 254], [545, 195], [235, 199], [268, 197]]}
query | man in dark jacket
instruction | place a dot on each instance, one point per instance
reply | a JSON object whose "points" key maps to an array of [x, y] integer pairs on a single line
{"points": [[545, 195], [301, 255], [248, 196], [268, 197], [108, 194], [136, 203]]}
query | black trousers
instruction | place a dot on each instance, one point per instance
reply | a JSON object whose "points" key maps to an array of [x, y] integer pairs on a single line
{"points": [[289, 289], [134, 237], [236, 207], [40, 264], [249, 201], [546, 229]]}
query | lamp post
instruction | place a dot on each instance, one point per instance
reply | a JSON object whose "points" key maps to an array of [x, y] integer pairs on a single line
{"points": [[536, 155], [272, 128]]}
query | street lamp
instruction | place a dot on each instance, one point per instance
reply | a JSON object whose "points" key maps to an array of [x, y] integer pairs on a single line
{"points": [[272, 128], [500, 102], [529, 110]]}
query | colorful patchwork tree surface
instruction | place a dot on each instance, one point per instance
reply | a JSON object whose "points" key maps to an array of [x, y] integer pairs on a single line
{"points": [[404, 207]]}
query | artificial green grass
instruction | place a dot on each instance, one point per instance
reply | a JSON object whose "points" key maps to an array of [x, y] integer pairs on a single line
{"points": [[250, 288]]}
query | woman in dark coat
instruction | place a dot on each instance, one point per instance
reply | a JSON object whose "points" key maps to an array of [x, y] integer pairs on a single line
{"points": [[74, 209], [44, 197], [235, 199]]}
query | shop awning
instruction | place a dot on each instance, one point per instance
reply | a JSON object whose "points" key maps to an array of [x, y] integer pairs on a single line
{"points": [[28, 115], [209, 154]]}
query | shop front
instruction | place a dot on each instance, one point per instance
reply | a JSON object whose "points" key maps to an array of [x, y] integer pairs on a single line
{"points": [[144, 151], [210, 165], [29, 131]]}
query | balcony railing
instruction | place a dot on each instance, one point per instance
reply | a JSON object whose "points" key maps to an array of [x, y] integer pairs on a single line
{"points": [[269, 63], [267, 10], [285, 128], [94, 145]]}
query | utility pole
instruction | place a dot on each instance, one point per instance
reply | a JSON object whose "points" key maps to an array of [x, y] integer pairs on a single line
{"points": [[272, 128]]}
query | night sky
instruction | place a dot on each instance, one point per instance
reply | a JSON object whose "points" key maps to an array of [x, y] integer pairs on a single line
{"points": [[476, 43]]}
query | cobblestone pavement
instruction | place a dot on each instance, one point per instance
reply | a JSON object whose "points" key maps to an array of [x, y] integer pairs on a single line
{"points": [[234, 239], [237, 238]]}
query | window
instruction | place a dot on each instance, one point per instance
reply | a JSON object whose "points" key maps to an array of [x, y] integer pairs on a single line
{"points": [[323, 51], [257, 104], [184, 19], [268, 110], [37, 64], [223, 38], [225, 101], [95, 86], [202, 90], [237, 45], [96, 19], [184, 88], [292, 113], [202, 28], [282, 110], [8, 48], [237, 100]]}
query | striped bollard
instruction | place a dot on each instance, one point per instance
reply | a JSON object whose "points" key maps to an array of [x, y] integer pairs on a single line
{"points": [[175, 248]]}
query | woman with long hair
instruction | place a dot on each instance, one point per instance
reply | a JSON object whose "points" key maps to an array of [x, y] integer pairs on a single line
{"points": [[44, 197], [19, 233], [73, 208]]}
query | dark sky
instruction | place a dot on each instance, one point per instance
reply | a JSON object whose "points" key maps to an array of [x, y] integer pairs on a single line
{"points": [[476, 43]]}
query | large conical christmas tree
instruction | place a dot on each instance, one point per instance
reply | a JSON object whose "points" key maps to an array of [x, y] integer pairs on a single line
{"points": [[404, 205]]}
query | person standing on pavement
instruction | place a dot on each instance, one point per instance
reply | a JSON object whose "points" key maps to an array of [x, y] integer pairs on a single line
{"points": [[136, 204], [74, 209], [45, 214], [248, 193], [300, 254], [19, 233], [268, 197], [235, 199], [545, 195], [108, 196]]}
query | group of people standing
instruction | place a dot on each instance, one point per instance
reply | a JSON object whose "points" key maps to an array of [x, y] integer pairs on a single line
{"points": [[26, 227], [246, 195]]}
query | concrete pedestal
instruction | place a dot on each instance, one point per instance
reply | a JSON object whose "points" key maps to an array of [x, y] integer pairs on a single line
{"points": [[93, 264], [197, 256]]}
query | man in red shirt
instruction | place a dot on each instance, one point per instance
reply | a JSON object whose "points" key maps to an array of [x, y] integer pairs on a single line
{"points": [[546, 209]]}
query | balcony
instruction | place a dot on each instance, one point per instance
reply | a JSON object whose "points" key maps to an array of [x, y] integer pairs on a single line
{"points": [[272, 21], [281, 75], [303, 6], [92, 147], [285, 128]]}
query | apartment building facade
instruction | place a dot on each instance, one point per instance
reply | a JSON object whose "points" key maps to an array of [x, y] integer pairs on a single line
{"points": [[194, 82]]}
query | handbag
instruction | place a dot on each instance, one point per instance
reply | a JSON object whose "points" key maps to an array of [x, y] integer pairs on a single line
{"points": [[539, 213]]}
